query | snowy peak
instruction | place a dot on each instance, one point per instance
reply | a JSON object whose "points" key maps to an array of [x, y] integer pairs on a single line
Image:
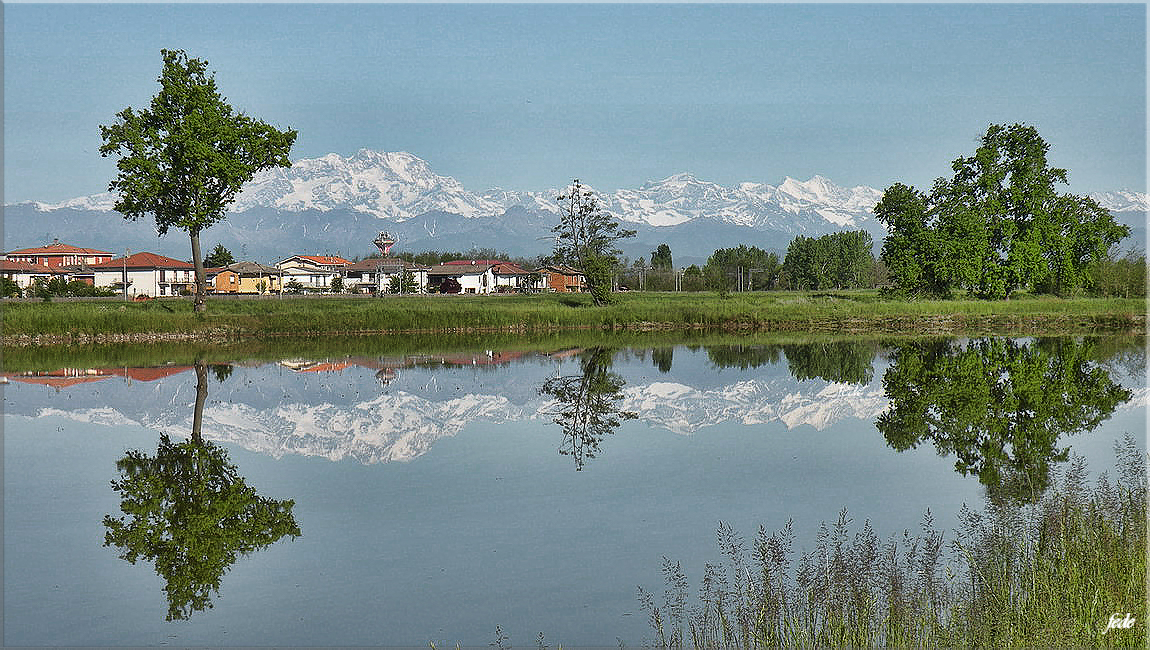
{"points": [[389, 185], [1122, 201]]}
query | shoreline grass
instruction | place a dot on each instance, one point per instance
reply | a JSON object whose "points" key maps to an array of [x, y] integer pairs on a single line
{"points": [[1052, 574], [30, 323]]}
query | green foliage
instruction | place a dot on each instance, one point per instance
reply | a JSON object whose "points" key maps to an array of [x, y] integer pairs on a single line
{"points": [[760, 269], [219, 256], [1115, 275], [586, 237], [9, 288], [693, 278], [402, 282], [293, 287], [188, 511], [998, 405], [846, 362], [996, 226], [841, 260], [587, 404], [57, 286], [184, 159], [661, 258], [336, 284]]}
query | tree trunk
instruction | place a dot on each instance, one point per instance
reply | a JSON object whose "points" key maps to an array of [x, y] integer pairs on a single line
{"points": [[201, 397], [198, 304]]}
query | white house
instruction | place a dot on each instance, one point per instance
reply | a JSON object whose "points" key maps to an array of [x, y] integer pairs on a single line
{"points": [[314, 272], [148, 274], [375, 276], [475, 276]]}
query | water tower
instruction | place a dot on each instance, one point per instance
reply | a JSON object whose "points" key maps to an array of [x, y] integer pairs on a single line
{"points": [[384, 241]]}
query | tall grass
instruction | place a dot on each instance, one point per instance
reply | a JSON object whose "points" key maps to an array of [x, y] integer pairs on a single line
{"points": [[765, 311], [1048, 575]]}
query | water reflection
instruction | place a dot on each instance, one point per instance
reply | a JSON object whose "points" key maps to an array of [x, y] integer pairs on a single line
{"points": [[999, 405], [189, 512], [587, 404], [844, 362]]}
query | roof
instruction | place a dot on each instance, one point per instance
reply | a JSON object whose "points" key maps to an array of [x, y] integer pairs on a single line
{"points": [[27, 267], [566, 270], [330, 260], [57, 248], [252, 268], [457, 269], [144, 261], [507, 268], [373, 263]]}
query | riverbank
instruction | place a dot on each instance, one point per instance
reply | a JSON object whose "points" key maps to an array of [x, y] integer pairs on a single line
{"points": [[846, 312]]}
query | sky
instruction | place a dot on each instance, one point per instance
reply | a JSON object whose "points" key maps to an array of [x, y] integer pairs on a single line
{"points": [[527, 97]]}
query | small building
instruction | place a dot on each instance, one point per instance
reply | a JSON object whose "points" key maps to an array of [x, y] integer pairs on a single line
{"points": [[245, 278], [564, 279], [147, 274], [55, 255], [463, 276], [511, 278], [313, 272]]}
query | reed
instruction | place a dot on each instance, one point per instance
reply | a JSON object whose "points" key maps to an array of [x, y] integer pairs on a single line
{"points": [[1048, 575]]}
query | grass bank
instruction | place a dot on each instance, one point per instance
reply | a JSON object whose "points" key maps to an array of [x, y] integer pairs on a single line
{"points": [[108, 321]]}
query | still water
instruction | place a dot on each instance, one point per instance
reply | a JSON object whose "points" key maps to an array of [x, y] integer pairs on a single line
{"points": [[405, 499]]}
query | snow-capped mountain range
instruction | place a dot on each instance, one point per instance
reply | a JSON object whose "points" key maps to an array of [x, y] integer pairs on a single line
{"points": [[398, 186], [336, 204]]}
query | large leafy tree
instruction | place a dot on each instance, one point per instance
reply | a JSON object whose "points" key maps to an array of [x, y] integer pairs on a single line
{"points": [[184, 159], [759, 268], [841, 260], [997, 225], [189, 512], [999, 406], [586, 237]]}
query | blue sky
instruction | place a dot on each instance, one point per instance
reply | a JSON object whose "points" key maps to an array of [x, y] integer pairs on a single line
{"points": [[530, 96]]}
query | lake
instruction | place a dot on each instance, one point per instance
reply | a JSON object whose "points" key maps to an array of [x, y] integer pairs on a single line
{"points": [[402, 499]]}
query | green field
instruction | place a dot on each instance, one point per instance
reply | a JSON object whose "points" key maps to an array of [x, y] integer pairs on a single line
{"points": [[780, 311]]}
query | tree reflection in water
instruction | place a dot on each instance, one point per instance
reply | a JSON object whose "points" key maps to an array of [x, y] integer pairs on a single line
{"points": [[188, 511], [587, 404], [998, 405]]}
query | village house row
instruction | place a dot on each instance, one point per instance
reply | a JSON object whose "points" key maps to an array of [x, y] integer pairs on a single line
{"points": [[152, 275]]}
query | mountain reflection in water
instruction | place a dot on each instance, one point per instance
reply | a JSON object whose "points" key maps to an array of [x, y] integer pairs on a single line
{"points": [[999, 406]]}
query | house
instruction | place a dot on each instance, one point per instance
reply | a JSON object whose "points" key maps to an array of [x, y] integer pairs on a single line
{"points": [[375, 275], [55, 255], [245, 278], [510, 277], [24, 274], [314, 272], [147, 274], [564, 279], [463, 276]]}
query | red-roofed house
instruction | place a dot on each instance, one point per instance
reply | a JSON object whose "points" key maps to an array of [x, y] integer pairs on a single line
{"points": [[56, 254], [148, 274], [511, 277], [314, 272], [24, 273]]}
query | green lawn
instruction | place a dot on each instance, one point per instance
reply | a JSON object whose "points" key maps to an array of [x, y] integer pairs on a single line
{"points": [[843, 311]]}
